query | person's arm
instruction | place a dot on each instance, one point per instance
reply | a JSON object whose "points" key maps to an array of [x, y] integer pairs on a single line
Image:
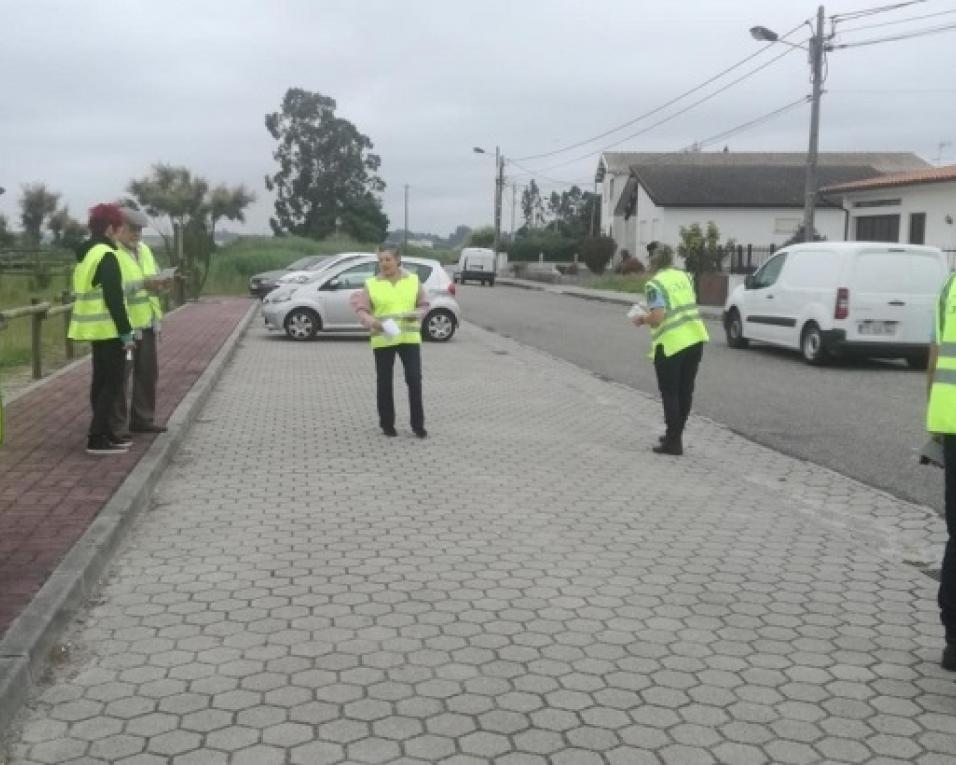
{"points": [[931, 366], [657, 306], [109, 277], [361, 303]]}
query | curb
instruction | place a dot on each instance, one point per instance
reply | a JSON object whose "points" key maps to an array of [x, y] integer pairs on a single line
{"points": [[25, 649], [708, 312]]}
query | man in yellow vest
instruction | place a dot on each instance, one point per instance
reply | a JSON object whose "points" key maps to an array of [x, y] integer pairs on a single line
{"points": [[142, 282], [678, 335], [100, 318], [391, 306], [941, 420]]}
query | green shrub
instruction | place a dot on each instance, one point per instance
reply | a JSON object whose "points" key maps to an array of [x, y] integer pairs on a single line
{"points": [[597, 252]]}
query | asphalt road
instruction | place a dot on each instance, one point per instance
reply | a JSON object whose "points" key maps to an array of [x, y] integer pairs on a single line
{"points": [[860, 418]]}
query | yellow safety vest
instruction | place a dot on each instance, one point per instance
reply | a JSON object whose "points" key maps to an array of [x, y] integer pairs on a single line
{"points": [[148, 264], [682, 326], [941, 412], [137, 298], [91, 318], [394, 301]]}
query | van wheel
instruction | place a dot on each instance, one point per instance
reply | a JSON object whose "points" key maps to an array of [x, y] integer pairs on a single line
{"points": [[302, 324], [491, 282], [811, 345], [918, 361], [439, 325], [734, 327]]}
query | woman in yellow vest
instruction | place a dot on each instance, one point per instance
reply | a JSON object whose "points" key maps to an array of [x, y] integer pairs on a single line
{"points": [[100, 318], [678, 335], [391, 306], [941, 420]]}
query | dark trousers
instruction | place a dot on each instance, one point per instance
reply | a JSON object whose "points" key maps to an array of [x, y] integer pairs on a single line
{"points": [[141, 374], [411, 356], [675, 380], [947, 579], [109, 367]]}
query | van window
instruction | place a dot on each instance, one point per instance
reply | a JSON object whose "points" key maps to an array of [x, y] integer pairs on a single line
{"points": [[906, 273], [814, 269], [769, 272]]}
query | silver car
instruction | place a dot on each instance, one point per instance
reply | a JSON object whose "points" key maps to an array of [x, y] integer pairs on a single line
{"points": [[311, 273], [324, 305]]}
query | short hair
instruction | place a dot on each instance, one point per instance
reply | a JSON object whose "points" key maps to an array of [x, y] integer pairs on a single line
{"points": [[391, 248], [661, 257], [102, 216]]}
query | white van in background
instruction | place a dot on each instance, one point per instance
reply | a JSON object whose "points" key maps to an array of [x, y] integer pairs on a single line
{"points": [[476, 264], [826, 298]]}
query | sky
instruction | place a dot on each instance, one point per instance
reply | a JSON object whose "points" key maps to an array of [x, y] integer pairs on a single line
{"points": [[94, 93]]}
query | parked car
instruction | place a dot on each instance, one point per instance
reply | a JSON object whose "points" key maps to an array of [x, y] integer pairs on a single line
{"points": [[263, 283], [323, 305], [828, 298], [476, 264], [304, 275]]}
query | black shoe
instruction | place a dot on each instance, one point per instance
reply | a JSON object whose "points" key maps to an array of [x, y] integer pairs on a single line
{"points": [[389, 431], [661, 439], [421, 432], [120, 441], [674, 448], [949, 657], [150, 428], [100, 446]]}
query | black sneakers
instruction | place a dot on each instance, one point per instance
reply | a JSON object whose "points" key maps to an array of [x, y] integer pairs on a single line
{"points": [[121, 440], [101, 446], [389, 430], [949, 657], [421, 433]]}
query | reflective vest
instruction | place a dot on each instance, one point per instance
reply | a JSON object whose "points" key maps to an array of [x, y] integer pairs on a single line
{"points": [[395, 301], [941, 412], [137, 298], [148, 265], [682, 326], [91, 318]]}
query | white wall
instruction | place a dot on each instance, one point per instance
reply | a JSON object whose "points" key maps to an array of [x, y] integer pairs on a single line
{"points": [[612, 225], [937, 200]]}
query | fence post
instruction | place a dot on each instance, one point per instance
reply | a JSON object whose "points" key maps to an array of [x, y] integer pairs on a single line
{"points": [[67, 343], [36, 340]]}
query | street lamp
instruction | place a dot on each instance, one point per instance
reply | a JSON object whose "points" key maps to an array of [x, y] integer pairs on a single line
{"points": [[817, 46], [499, 184]]}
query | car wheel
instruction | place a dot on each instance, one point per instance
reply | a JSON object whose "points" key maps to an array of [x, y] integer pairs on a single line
{"points": [[439, 325], [811, 345], [491, 282], [734, 327], [918, 360], [302, 324]]}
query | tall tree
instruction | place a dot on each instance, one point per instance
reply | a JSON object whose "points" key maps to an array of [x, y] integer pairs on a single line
{"points": [[532, 207], [173, 193], [7, 237], [228, 203], [327, 171], [66, 230], [37, 203]]}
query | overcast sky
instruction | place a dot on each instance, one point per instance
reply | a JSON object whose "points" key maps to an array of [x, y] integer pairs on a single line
{"points": [[95, 92]]}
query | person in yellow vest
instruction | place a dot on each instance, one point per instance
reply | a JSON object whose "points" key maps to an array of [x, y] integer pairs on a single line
{"points": [[100, 318], [141, 283], [391, 306], [941, 421], [678, 335]]}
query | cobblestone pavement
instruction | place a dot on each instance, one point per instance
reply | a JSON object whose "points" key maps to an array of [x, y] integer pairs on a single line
{"points": [[529, 586]]}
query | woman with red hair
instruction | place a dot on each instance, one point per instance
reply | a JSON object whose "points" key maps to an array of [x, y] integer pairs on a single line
{"points": [[101, 319]]}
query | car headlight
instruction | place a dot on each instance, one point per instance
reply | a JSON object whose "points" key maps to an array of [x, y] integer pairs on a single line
{"points": [[281, 297]]}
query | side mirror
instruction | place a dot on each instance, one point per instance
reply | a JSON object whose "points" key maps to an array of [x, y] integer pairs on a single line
{"points": [[749, 282]]}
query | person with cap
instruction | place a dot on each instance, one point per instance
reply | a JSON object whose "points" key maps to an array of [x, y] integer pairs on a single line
{"points": [[941, 421], [100, 318], [139, 265], [391, 306], [678, 335]]}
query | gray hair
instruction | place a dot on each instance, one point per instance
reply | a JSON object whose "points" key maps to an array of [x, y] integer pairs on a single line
{"points": [[661, 256]]}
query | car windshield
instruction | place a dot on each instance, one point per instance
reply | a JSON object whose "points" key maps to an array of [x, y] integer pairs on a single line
{"points": [[301, 263]]}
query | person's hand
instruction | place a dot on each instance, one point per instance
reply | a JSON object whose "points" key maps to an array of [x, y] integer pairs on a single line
{"points": [[638, 320], [377, 325]]}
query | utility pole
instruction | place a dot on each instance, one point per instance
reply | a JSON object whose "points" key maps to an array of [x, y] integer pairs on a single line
{"points": [[817, 47], [499, 188], [405, 236], [514, 202]]}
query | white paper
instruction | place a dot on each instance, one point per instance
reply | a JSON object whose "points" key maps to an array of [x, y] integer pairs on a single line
{"points": [[635, 311], [167, 273], [390, 328]]}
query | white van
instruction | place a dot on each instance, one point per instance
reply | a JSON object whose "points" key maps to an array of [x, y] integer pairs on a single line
{"points": [[477, 264], [827, 298]]}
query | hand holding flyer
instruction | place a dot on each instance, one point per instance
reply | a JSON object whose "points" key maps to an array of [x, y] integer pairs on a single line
{"points": [[390, 328]]}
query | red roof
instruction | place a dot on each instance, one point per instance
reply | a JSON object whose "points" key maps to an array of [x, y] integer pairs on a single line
{"points": [[912, 177]]}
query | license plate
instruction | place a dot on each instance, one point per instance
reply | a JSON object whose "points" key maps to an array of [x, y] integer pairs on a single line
{"points": [[877, 327]]}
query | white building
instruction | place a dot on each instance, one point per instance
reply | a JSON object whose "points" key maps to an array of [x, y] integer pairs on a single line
{"points": [[753, 197], [916, 207]]}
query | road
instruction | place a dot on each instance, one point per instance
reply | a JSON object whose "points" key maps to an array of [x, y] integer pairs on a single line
{"points": [[860, 418]]}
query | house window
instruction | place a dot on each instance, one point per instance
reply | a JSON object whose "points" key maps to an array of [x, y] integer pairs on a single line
{"points": [[878, 228], [877, 203], [917, 228], [785, 226]]}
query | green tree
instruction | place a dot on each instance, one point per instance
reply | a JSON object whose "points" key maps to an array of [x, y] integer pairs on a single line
{"points": [[7, 237], [532, 206], [67, 232], [700, 247], [327, 172], [482, 237], [571, 212], [228, 203], [171, 193], [597, 252], [37, 203]]}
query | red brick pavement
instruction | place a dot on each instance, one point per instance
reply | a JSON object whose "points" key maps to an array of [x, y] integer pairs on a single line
{"points": [[50, 489]]}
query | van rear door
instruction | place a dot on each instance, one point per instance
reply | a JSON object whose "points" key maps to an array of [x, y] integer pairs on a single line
{"points": [[892, 292]]}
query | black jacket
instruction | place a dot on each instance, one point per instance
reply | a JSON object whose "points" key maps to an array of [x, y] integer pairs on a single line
{"points": [[110, 278]]}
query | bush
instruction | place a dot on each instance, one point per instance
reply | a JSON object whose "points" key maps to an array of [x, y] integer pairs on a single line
{"points": [[597, 252], [528, 245], [572, 269], [632, 266]]}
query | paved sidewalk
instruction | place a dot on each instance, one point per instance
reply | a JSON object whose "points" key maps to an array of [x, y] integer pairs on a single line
{"points": [[529, 586], [49, 491]]}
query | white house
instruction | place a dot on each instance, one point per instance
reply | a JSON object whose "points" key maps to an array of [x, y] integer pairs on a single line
{"points": [[753, 197], [917, 207]]}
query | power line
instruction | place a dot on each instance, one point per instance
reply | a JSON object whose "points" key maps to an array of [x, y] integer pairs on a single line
{"points": [[906, 36], [873, 11], [898, 21], [657, 109]]}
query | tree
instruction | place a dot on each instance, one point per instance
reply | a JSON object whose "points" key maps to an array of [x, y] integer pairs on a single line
{"points": [[798, 236], [327, 172], [36, 204], [7, 237], [482, 237], [67, 232], [700, 248], [597, 252], [228, 203], [532, 208], [173, 193], [571, 212]]}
